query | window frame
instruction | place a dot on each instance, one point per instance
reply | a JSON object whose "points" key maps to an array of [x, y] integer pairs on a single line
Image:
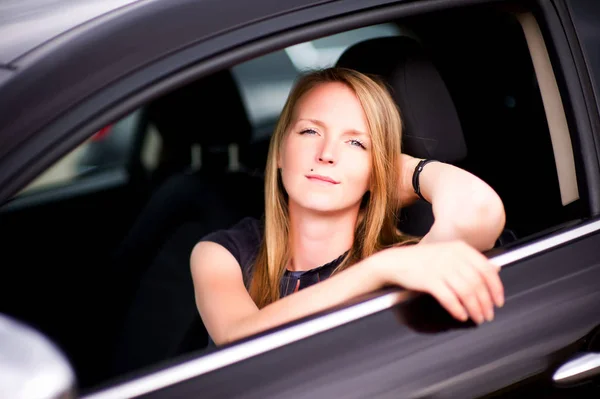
{"points": [[572, 78]]}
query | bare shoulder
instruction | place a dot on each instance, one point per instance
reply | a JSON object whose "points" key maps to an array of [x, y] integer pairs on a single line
{"points": [[221, 296], [211, 259]]}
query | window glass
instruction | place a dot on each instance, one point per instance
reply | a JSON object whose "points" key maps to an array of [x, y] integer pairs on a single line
{"points": [[109, 149]]}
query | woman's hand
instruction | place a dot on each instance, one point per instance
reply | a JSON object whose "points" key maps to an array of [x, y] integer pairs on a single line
{"points": [[463, 280]]}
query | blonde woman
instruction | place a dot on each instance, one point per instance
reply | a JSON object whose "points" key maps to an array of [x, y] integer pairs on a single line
{"points": [[334, 182]]}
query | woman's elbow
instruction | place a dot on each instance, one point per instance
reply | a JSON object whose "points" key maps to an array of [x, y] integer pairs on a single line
{"points": [[494, 216], [220, 340], [484, 220], [226, 336]]}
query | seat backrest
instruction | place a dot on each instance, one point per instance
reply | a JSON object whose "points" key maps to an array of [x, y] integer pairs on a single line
{"points": [[160, 318], [431, 127], [209, 113]]}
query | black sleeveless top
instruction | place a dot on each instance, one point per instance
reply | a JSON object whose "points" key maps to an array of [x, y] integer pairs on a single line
{"points": [[243, 241]]}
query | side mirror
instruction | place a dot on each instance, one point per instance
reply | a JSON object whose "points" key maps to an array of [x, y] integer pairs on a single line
{"points": [[31, 366]]}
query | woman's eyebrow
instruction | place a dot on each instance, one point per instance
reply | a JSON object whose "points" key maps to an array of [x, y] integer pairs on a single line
{"points": [[352, 132], [315, 121]]}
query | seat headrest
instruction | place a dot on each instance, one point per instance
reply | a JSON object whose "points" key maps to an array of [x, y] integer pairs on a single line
{"points": [[431, 125], [209, 112]]}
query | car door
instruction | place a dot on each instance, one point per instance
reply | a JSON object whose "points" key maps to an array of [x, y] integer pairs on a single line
{"points": [[391, 345], [400, 345], [66, 224]]}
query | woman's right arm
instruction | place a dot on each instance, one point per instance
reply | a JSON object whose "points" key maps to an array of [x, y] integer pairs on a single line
{"points": [[458, 276], [228, 311]]}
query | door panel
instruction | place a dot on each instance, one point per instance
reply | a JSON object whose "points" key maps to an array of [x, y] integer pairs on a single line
{"points": [[416, 350], [58, 236], [57, 276]]}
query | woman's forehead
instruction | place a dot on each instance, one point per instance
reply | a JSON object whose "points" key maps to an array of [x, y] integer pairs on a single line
{"points": [[331, 104]]}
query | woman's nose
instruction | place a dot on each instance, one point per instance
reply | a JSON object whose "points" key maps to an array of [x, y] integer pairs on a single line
{"points": [[327, 153]]}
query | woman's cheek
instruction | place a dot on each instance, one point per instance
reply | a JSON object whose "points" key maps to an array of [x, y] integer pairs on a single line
{"points": [[360, 170], [296, 154]]}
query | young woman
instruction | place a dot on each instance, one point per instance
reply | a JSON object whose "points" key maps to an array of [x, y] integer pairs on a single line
{"points": [[334, 183]]}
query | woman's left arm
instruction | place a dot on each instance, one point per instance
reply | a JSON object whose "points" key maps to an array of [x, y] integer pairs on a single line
{"points": [[464, 206]]}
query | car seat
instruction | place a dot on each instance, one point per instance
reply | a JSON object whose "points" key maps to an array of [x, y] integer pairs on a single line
{"points": [[160, 319]]}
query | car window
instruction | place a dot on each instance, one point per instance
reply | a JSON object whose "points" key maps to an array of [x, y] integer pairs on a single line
{"points": [[110, 149]]}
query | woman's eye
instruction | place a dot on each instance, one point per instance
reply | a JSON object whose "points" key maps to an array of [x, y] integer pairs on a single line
{"points": [[308, 131], [357, 143]]}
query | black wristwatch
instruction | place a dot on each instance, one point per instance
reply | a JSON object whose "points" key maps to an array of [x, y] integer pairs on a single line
{"points": [[415, 179]]}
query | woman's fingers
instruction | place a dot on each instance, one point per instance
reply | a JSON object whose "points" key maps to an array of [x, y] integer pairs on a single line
{"points": [[490, 274], [467, 294], [462, 279], [473, 278], [448, 299]]}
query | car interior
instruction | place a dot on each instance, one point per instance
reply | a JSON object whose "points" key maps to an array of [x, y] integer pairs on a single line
{"points": [[101, 263]]}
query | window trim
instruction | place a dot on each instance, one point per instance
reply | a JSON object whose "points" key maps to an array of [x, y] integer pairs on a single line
{"points": [[101, 181], [553, 106], [580, 107]]}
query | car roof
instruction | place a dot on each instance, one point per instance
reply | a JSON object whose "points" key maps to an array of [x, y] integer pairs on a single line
{"points": [[27, 24]]}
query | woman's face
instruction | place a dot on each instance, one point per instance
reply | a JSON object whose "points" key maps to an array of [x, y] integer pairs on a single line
{"points": [[325, 158]]}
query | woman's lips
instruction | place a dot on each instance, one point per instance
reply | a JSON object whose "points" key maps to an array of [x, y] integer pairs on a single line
{"points": [[326, 179]]}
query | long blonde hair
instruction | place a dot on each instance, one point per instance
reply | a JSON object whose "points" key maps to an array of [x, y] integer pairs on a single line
{"points": [[376, 227]]}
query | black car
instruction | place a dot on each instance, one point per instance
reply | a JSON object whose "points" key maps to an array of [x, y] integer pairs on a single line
{"points": [[96, 237]]}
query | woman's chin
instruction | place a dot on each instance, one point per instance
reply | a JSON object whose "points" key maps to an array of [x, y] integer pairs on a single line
{"points": [[322, 205]]}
